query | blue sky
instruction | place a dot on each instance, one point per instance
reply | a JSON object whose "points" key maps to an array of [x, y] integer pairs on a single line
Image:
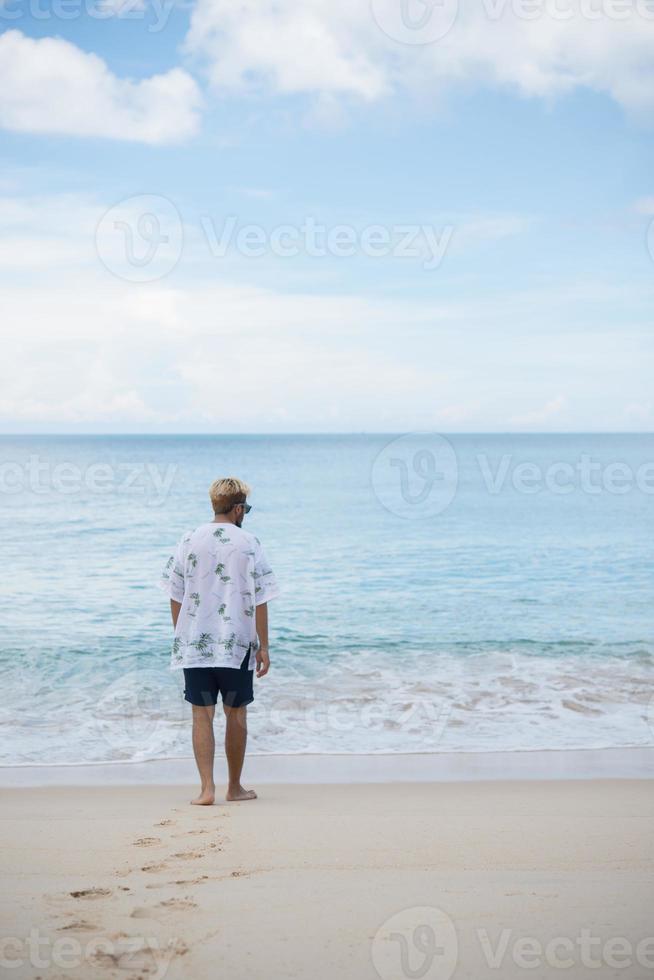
{"points": [[506, 166]]}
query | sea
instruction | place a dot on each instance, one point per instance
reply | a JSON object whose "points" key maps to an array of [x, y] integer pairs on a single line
{"points": [[440, 593]]}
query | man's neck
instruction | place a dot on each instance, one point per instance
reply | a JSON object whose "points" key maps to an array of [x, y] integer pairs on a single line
{"points": [[223, 519]]}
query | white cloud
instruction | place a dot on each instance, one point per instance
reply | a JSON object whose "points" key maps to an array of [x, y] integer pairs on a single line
{"points": [[291, 47], [51, 86], [84, 349], [472, 230], [458, 414], [639, 412], [92, 351], [47, 233], [243, 357], [551, 409], [335, 48]]}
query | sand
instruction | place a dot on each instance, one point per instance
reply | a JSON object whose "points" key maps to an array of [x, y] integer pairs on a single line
{"points": [[500, 879]]}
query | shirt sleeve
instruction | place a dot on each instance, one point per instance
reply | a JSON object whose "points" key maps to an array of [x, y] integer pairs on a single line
{"points": [[265, 583], [172, 575]]}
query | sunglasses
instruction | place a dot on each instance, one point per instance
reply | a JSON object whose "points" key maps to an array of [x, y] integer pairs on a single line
{"points": [[246, 507]]}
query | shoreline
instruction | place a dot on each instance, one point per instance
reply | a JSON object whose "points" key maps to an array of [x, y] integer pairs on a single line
{"points": [[636, 762]]}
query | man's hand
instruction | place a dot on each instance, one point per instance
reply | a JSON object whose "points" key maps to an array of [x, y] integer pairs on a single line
{"points": [[263, 661]]}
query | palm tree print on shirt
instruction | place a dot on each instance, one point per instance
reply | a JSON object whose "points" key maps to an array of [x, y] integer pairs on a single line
{"points": [[203, 644], [219, 570], [220, 534], [178, 656], [192, 560], [221, 612], [195, 598]]}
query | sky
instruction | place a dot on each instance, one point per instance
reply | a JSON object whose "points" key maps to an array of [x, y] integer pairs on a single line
{"points": [[327, 216]]}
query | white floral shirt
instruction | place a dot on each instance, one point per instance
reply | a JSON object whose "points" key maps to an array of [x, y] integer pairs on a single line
{"points": [[218, 573]]}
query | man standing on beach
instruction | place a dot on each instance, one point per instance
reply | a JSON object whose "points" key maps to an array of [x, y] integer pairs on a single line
{"points": [[219, 583]]}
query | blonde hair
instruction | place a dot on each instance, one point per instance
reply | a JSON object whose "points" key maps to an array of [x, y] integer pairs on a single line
{"points": [[227, 492]]}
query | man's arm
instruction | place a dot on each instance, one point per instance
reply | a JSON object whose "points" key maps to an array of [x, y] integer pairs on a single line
{"points": [[263, 657], [175, 609]]}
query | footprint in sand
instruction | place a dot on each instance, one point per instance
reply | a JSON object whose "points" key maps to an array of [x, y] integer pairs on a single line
{"points": [[166, 823], [189, 855], [154, 867], [142, 913], [177, 903], [136, 960], [184, 881], [146, 841], [192, 833], [79, 925], [92, 893]]}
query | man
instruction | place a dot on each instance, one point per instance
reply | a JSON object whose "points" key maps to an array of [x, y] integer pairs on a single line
{"points": [[219, 583]]}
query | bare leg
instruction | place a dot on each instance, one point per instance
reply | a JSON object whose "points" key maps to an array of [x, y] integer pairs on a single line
{"points": [[236, 736], [204, 746]]}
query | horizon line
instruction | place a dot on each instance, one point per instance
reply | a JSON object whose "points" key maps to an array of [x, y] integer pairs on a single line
{"points": [[350, 432]]}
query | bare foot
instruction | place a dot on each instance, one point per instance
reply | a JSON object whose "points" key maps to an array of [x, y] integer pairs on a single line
{"points": [[206, 797], [237, 794]]}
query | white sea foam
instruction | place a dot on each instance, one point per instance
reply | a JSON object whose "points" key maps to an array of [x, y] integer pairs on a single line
{"points": [[446, 702]]}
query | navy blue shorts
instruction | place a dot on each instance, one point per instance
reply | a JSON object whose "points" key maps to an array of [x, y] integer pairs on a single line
{"points": [[202, 685]]}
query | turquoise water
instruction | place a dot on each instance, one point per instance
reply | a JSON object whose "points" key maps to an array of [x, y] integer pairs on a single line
{"points": [[424, 608]]}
